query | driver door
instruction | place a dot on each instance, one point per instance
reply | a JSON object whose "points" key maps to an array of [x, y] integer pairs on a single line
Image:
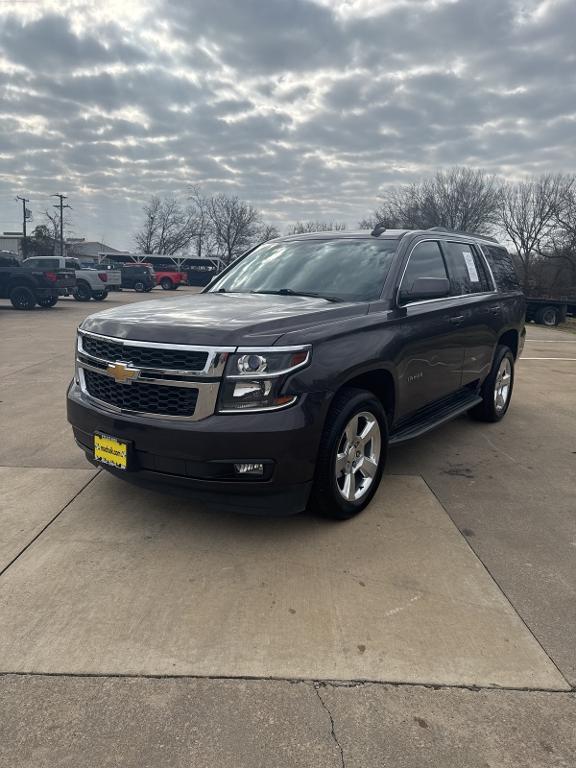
{"points": [[431, 357]]}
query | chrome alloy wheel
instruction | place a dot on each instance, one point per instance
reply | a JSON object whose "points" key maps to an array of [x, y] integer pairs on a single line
{"points": [[358, 456], [503, 385]]}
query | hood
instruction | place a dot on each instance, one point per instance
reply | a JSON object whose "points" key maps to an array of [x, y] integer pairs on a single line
{"points": [[218, 319]]}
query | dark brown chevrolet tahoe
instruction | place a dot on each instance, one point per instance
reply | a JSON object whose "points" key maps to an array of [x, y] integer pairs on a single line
{"points": [[281, 385]]}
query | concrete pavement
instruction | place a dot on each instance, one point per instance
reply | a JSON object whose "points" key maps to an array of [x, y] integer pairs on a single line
{"points": [[107, 580]]}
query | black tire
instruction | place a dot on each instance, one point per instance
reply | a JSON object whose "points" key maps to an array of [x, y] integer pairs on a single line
{"points": [[139, 286], [549, 316], [327, 498], [99, 295], [488, 410], [49, 301], [82, 291], [167, 284], [22, 297]]}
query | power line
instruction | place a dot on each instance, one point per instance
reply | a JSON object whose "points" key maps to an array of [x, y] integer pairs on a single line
{"points": [[61, 206], [25, 213]]}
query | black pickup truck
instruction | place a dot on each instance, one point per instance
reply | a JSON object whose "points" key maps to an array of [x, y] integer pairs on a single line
{"points": [[282, 385], [27, 286]]}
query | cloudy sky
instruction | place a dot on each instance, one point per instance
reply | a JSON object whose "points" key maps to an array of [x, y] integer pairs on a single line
{"points": [[307, 108]]}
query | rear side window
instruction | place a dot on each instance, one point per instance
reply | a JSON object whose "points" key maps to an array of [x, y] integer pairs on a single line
{"points": [[43, 263], [72, 264], [467, 271], [425, 261], [502, 267]]}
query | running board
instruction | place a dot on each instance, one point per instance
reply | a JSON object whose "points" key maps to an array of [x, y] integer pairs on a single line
{"points": [[433, 417]]}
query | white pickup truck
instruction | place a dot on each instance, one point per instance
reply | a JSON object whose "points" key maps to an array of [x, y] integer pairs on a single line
{"points": [[91, 282]]}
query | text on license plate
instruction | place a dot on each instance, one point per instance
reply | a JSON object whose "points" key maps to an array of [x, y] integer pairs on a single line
{"points": [[111, 451]]}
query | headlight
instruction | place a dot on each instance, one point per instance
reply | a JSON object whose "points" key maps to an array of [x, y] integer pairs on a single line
{"points": [[254, 378]]}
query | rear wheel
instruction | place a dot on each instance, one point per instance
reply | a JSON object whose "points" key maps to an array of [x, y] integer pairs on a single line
{"points": [[352, 455], [139, 286], [82, 292], [99, 295], [549, 316], [49, 301], [496, 391], [22, 297], [167, 284]]}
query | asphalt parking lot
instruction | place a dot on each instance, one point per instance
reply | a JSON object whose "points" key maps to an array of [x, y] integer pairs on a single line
{"points": [[436, 629]]}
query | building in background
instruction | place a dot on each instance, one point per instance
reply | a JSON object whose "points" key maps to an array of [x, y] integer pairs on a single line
{"points": [[90, 251], [11, 241]]}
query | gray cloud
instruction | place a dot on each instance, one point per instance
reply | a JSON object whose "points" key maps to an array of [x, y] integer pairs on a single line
{"points": [[302, 110], [49, 43]]}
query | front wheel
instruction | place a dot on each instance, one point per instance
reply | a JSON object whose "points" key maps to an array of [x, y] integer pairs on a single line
{"points": [[139, 286], [352, 455], [22, 297], [496, 391], [99, 295], [49, 301]]}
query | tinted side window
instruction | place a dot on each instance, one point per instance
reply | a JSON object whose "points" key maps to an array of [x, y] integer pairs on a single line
{"points": [[72, 264], [43, 263], [467, 272], [425, 261], [502, 267]]}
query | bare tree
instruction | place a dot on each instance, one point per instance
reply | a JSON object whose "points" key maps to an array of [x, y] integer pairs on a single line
{"points": [[463, 199], [235, 225], [268, 232], [168, 227], [565, 216], [302, 227], [529, 212]]}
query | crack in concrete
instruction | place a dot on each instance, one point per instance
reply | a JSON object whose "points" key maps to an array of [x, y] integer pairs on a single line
{"points": [[317, 686], [571, 690], [49, 523]]}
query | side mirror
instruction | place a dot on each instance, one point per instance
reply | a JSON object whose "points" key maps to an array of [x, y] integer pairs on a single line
{"points": [[426, 288]]}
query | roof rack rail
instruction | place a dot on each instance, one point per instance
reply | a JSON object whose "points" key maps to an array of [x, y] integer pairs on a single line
{"points": [[458, 232], [378, 230]]}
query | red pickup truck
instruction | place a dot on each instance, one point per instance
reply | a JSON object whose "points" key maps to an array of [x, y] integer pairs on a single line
{"points": [[170, 279]]}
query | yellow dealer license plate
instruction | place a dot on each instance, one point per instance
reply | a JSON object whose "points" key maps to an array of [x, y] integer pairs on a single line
{"points": [[111, 451]]}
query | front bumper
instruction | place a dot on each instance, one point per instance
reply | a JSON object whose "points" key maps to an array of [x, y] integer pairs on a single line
{"points": [[197, 457]]}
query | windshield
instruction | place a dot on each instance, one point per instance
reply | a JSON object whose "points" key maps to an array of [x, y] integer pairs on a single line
{"points": [[343, 269]]}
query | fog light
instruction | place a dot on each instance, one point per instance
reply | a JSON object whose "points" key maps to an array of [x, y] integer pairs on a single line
{"points": [[249, 469]]}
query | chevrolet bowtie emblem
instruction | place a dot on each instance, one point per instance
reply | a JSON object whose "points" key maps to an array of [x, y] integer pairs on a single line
{"points": [[122, 373]]}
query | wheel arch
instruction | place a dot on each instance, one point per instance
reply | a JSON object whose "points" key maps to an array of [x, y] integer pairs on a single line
{"points": [[511, 339], [21, 281], [381, 383]]}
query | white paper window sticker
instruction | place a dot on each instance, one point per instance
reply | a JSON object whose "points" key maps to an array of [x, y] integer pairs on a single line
{"points": [[472, 272]]}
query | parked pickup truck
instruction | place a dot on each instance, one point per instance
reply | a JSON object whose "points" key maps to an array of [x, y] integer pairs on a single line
{"points": [[91, 283], [169, 279], [26, 286], [282, 385]]}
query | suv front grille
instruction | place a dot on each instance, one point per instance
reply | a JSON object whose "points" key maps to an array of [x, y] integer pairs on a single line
{"points": [[145, 357], [145, 398]]}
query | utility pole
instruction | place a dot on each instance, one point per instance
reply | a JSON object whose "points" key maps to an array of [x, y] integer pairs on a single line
{"points": [[24, 213], [61, 206]]}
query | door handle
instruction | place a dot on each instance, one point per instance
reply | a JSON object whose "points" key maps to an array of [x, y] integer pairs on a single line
{"points": [[457, 320], [493, 310]]}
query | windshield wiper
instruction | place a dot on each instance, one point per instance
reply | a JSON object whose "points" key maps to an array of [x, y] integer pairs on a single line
{"points": [[291, 292]]}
